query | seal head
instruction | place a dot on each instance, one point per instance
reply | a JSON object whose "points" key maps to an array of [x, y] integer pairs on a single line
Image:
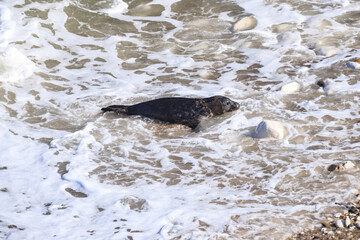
{"points": [[220, 105]]}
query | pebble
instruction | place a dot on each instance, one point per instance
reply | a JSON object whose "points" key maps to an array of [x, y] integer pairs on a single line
{"points": [[318, 23], [246, 23], [325, 224], [349, 165], [341, 167], [339, 223], [336, 167], [338, 215], [283, 27], [269, 128], [328, 51], [287, 38], [147, 10], [329, 90], [291, 87], [347, 221], [321, 83], [353, 65], [134, 203]]}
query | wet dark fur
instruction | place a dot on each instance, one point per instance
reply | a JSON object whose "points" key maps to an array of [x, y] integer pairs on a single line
{"points": [[186, 111]]}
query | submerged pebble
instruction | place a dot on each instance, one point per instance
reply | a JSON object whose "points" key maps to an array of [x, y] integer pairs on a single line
{"points": [[246, 23], [134, 203], [328, 51], [147, 10], [289, 38]]}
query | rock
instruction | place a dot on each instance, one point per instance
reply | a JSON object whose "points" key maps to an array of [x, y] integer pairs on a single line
{"points": [[339, 223], [358, 225], [328, 51], [341, 167], [348, 165], [291, 87], [283, 27], [318, 23], [134, 203], [325, 224], [147, 10], [338, 215], [269, 128], [353, 65], [353, 210], [321, 83], [333, 167], [208, 75], [347, 221], [287, 38], [246, 23], [329, 90]]}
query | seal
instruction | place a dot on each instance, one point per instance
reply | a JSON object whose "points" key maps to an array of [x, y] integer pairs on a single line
{"points": [[185, 111]]}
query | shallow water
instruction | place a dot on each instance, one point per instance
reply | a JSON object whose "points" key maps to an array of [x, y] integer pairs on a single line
{"points": [[70, 172]]}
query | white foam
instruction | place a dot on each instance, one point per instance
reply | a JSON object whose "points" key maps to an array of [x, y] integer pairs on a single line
{"points": [[14, 66], [7, 26]]}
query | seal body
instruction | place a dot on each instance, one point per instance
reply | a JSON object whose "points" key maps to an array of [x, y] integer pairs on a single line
{"points": [[186, 111]]}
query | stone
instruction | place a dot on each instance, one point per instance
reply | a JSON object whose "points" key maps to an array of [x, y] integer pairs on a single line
{"points": [[246, 23], [134, 203], [329, 90], [338, 215], [328, 51], [147, 10], [287, 38], [333, 167], [358, 225], [269, 128], [349, 165], [325, 224], [353, 210], [347, 221], [321, 83], [283, 27], [339, 223], [353, 65], [341, 167], [291, 87]]}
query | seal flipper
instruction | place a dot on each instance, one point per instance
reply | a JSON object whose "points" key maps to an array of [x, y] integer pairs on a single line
{"points": [[192, 123], [116, 108]]}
